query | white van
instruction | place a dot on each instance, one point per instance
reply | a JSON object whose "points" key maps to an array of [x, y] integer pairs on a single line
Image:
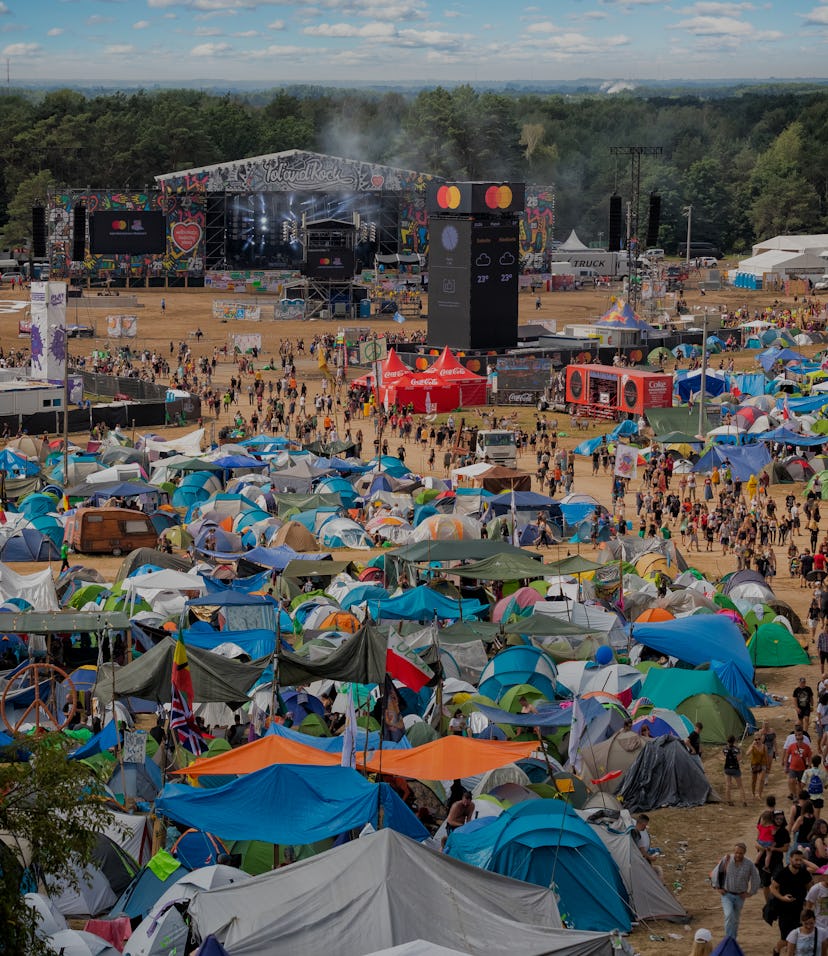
{"points": [[654, 254]]}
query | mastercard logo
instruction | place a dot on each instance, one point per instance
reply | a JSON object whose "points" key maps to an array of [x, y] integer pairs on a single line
{"points": [[498, 197], [119, 225], [324, 262], [448, 197]]}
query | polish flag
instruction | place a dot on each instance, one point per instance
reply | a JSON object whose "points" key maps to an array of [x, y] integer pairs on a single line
{"points": [[405, 666]]}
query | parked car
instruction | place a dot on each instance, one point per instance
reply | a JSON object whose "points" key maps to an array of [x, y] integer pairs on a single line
{"points": [[709, 262], [821, 284]]}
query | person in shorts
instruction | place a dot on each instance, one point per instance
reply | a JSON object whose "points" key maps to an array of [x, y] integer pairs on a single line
{"points": [[797, 758]]}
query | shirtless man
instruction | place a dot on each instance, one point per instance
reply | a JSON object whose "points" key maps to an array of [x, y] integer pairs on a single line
{"points": [[461, 812]]}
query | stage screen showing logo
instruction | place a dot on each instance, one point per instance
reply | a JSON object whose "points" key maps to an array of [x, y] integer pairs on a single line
{"points": [[132, 232], [333, 262]]}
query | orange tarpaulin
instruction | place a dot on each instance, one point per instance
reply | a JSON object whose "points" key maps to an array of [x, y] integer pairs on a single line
{"points": [[259, 754], [449, 758]]}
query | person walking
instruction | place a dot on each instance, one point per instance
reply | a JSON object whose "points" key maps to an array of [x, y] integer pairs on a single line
{"points": [[733, 770], [735, 878], [64, 557], [807, 939], [789, 888]]}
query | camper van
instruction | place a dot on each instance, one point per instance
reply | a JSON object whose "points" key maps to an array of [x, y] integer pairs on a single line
{"points": [[109, 531]]}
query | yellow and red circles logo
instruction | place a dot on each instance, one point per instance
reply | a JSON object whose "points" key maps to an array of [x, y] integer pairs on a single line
{"points": [[448, 197], [119, 225], [499, 197]]}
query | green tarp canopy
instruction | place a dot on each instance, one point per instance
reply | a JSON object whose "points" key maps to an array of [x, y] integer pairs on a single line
{"points": [[573, 564], [464, 632], [308, 568], [453, 550], [215, 679], [361, 659], [677, 419], [678, 438], [286, 501], [58, 622], [503, 567], [773, 645], [544, 625]]}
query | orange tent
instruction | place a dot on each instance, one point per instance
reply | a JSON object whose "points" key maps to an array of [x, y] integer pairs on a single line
{"points": [[259, 754], [654, 614], [449, 758]]}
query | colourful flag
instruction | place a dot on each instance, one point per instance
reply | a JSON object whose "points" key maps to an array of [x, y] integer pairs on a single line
{"points": [[405, 666], [65, 503], [349, 733], [182, 720]]}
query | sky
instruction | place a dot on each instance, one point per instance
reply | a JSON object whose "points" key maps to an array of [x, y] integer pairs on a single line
{"points": [[273, 42]]}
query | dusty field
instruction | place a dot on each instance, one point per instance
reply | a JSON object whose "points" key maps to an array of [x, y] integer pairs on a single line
{"points": [[708, 831]]}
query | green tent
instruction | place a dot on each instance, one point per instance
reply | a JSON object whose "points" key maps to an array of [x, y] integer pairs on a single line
{"points": [[773, 645], [821, 475], [698, 695], [502, 567]]}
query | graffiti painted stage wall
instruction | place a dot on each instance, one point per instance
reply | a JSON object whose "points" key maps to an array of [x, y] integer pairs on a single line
{"points": [[185, 233]]}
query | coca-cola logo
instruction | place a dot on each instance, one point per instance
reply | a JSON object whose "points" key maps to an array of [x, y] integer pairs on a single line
{"points": [[521, 398], [447, 372], [428, 381]]}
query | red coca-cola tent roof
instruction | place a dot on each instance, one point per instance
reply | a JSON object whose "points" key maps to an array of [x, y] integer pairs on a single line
{"points": [[449, 369], [392, 366]]}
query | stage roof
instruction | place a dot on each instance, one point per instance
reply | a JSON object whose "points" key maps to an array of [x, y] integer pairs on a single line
{"points": [[293, 170]]}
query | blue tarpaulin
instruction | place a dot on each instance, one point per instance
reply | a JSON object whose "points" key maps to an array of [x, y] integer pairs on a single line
{"points": [[254, 642], [697, 640], [333, 745], [691, 385], [424, 604], [787, 437], [102, 741], [314, 803], [801, 406], [744, 460], [768, 358], [548, 715]]}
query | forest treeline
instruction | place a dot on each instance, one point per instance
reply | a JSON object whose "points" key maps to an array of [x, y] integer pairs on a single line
{"points": [[751, 165]]}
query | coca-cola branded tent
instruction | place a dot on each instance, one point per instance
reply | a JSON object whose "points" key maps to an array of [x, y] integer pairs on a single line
{"points": [[392, 368], [444, 386]]}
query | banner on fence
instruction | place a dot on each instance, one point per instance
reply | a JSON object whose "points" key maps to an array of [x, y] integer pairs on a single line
{"points": [[239, 311], [247, 342], [290, 309], [121, 326]]}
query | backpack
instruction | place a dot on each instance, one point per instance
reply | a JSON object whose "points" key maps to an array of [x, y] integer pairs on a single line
{"points": [[815, 787]]}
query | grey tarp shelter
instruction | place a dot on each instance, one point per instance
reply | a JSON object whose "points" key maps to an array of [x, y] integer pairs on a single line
{"points": [[665, 774], [502, 567], [360, 659], [215, 679], [389, 891]]}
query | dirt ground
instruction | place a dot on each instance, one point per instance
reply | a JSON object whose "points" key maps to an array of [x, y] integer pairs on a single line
{"points": [[707, 831]]}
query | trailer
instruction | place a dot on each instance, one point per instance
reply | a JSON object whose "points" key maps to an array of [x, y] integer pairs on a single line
{"points": [[604, 391]]}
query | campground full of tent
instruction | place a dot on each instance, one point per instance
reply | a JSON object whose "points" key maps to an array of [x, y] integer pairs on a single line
{"points": [[347, 610]]}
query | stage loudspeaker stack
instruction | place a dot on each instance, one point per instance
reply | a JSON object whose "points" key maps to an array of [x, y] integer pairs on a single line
{"points": [[79, 233], [38, 232], [653, 220], [615, 223]]}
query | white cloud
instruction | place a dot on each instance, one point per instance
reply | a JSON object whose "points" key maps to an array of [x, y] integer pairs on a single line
{"points": [[208, 32], [276, 25], [713, 8], [349, 30], [245, 34], [716, 27], [211, 49], [427, 38], [119, 49], [818, 16], [97, 19], [140, 25], [55, 32], [590, 15], [4, 9], [21, 49], [281, 51]]}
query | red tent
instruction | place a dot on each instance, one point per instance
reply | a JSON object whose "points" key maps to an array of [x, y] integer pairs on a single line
{"points": [[444, 386], [392, 368]]}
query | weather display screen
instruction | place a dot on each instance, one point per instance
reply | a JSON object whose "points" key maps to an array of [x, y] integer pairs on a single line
{"points": [[133, 232], [494, 268]]}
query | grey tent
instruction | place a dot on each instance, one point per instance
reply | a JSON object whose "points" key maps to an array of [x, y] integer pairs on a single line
{"points": [[215, 679], [141, 556], [619, 752], [665, 774], [414, 894], [649, 897]]}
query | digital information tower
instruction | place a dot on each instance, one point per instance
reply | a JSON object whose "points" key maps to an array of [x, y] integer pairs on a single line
{"points": [[474, 262]]}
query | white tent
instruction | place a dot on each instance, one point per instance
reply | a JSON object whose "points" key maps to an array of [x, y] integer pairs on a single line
{"points": [[572, 244], [414, 894], [185, 445], [38, 588], [50, 920], [74, 942], [783, 263]]}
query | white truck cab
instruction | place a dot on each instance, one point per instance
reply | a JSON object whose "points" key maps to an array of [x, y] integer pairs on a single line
{"points": [[497, 445]]}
